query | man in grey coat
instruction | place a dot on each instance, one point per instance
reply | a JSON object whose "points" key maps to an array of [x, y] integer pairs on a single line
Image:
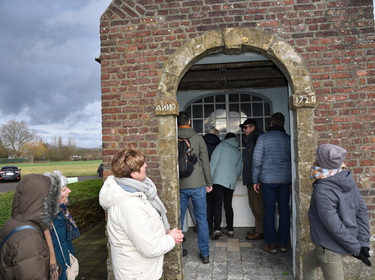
{"points": [[197, 184], [338, 215]]}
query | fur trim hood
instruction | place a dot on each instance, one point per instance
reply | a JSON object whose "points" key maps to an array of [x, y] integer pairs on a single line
{"points": [[37, 199]]}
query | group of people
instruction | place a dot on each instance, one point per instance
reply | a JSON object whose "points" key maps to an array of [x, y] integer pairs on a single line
{"points": [[138, 228], [338, 215], [266, 159], [37, 239]]}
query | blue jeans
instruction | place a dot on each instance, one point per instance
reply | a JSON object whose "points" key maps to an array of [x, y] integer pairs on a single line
{"points": [[198, 197], [280, 194]]}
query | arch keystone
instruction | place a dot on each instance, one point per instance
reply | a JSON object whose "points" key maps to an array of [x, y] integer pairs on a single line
{"points": [[257, 39]]}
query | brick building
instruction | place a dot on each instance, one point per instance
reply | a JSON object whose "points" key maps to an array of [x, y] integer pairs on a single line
{"points": [[224, 61]]}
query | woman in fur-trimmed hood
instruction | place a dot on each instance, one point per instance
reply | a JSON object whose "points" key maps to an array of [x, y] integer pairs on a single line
{"points": [[35, 204], [64, 228]]}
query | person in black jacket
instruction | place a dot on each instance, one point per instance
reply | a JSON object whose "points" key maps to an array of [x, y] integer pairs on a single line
{"points": [[212, 139], [249, 127]]}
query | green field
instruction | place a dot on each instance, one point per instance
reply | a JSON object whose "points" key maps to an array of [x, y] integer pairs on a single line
{"points": [[68, 168], [84, 204]]}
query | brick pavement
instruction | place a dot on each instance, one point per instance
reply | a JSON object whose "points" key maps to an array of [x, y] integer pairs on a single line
{"points": [[231, 258], [235, 258]]}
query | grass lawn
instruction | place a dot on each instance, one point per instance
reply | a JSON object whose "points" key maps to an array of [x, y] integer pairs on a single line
{"points": [[68, 168], [84, 204]]}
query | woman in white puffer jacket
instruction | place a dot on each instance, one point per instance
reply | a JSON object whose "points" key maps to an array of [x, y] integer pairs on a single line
{"points": [[137, 225]]}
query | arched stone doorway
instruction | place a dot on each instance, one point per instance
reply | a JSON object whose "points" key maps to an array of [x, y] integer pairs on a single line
{"points": [[301, 104]]}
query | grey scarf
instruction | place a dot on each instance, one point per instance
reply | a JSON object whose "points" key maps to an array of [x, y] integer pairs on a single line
{"points": [[149, 189]]}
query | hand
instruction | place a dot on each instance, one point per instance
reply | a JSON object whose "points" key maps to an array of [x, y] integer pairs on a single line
{"points": [[256, 187], [177, 235], [53, 272], [364, 255], [366, 251], [209, 189]]}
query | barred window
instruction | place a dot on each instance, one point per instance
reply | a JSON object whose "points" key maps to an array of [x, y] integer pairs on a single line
{"points": [[226, 112]]}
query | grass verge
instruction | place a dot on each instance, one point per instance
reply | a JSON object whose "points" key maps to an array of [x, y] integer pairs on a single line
{"points": [[68, 168], [84, 204]]}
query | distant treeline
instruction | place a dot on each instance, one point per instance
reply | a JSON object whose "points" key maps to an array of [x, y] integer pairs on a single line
{"points": [[45, 152], [18, 141]]}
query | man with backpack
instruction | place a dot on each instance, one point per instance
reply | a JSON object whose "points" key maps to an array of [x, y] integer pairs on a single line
{"points": [[196, 185]]}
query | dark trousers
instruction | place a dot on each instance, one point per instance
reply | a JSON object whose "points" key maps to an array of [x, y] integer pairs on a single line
{"points": [[256, 206], [276, 194], [222, 194]]}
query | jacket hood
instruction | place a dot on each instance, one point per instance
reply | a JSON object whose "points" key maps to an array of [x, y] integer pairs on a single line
{"points": [[111, 193], [36, 200], [230, 142], [185, 132], [342, 181], [211, 139]]}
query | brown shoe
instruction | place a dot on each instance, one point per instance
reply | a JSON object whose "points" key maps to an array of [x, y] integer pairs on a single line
{"points": [[270, 248], [254, 236], [216, 234], [282, 248], [251, 231]]}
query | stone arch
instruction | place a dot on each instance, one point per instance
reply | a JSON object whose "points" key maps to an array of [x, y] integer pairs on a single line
{"points": [[302, 102]]}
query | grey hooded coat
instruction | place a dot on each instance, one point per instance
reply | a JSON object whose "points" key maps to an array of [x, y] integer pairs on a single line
{"points": [[338, 215]]}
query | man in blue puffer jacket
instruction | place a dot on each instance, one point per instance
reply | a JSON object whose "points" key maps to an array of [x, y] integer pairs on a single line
{"points": [[272, 173]]}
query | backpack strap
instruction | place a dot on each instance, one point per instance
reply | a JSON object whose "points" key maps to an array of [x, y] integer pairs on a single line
{"points": [[14, 231], [187, 141]]}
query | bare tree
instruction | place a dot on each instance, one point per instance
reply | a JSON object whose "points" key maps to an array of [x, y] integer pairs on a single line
{"points": [[15, 135], [35, 150], [3, 151], [59, 151]]}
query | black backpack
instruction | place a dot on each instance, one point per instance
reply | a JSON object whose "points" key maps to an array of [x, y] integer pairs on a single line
{"points": [[186, 159]]}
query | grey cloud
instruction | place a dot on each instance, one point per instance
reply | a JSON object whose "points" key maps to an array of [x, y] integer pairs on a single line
{"points": [[48, 72]]}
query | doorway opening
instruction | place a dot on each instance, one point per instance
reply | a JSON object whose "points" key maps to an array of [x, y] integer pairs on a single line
{"points": [[290, 91], [222, 91]]}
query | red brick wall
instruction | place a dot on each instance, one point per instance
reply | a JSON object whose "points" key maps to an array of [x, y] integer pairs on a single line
{"points": [[335, 39]]}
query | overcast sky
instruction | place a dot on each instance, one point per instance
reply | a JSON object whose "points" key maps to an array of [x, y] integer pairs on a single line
{"points": [[48, 73]]}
